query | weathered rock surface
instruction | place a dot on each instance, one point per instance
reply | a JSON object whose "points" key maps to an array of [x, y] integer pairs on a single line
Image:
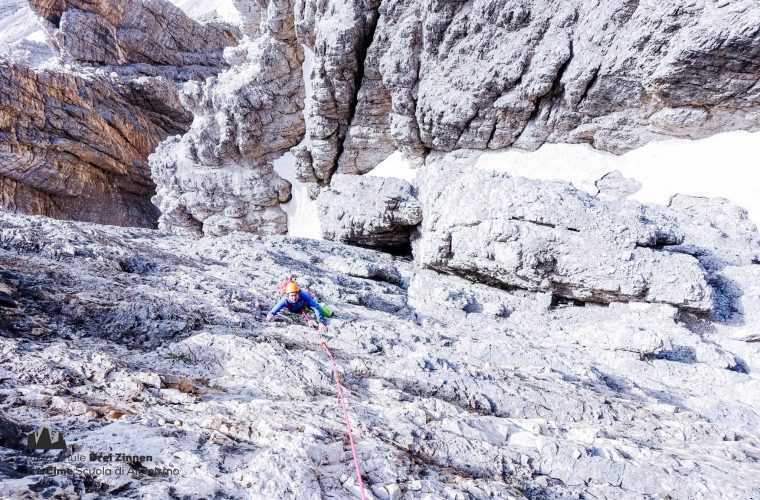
{"points": [[368, 140], [338, 33], [549, 236], [415, 77], [75, 140], [218, 177], [368, 211], [137, 341], [76, 146], [492, 74], [132, 31]]}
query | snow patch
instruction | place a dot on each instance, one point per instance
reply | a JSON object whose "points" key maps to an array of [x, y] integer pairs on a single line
{"points": [[395, 165], [724, 165], [220, 10], [37, 36], [303, 219]]}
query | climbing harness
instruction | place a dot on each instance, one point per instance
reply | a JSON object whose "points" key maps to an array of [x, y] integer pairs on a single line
{"points": [[343, 405]]}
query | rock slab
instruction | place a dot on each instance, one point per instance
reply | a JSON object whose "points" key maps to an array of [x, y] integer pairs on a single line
{"points": [[548, 236]]}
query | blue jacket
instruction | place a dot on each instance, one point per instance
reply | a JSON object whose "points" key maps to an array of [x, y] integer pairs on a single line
{"points": [[297, 306]]}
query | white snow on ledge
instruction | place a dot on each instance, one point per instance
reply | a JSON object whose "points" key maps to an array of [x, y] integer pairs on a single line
{"points": [[395, 165], [725, 165], [222, 10], [303, 218]]}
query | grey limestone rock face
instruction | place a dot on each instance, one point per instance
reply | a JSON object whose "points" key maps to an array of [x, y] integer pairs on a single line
{"points": [[491, 74], [339, 33], [218, 177], [132, 31], [449, 299], [549, 236], [368, 140], [368, 211], [141, 340], [583, 71]]}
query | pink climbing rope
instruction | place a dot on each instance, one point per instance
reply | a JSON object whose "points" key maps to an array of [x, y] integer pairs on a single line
{"points": [[342, 404]]}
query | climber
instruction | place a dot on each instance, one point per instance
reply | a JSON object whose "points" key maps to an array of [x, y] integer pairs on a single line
{"points": [[296, 301]]}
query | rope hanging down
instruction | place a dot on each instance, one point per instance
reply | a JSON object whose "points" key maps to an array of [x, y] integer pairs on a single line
{"points": [[342, 404]]}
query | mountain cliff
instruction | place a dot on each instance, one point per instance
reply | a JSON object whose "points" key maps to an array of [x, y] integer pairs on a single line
{"points": [[539, 238]]}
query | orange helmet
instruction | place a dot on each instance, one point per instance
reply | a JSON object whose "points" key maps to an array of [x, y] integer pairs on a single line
{"points": [[292, 288]]}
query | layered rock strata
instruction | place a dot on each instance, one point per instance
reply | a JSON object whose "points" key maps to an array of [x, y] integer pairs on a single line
{"points": [[548, 236], [727, 245], [75, 139], [18, 23], [338, 33], [77, 147]]}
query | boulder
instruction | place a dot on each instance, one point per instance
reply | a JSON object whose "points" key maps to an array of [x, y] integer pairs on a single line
{"points": [[339, 38], [368, 211]]}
